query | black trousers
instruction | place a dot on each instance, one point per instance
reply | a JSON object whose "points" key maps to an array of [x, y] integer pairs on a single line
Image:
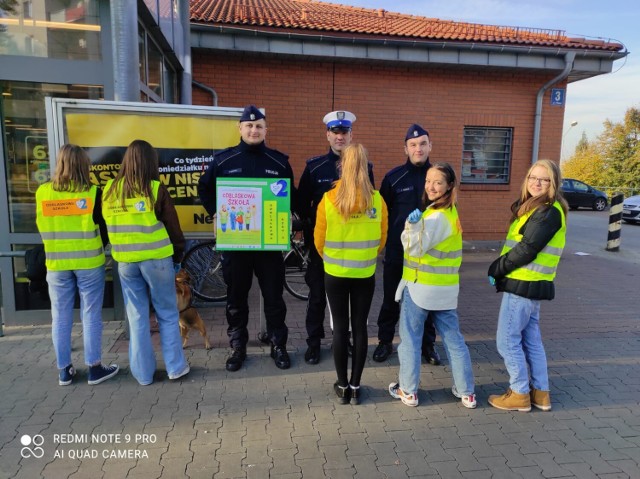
{"points": [[238, 270], [349, 298], [317, 303], [390, 310]]}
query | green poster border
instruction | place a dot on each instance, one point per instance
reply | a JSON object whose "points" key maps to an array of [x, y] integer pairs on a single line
{"points": [[275, 217]]}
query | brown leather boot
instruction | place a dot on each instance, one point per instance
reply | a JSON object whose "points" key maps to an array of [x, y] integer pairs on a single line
{"points": [[511, 401], [540, 399]]}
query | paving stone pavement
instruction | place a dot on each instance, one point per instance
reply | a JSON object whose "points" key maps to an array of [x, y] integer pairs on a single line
{"points": [[263, 422]]}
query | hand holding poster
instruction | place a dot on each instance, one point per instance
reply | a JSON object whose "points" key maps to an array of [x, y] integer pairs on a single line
{"points": [[253, 214]]}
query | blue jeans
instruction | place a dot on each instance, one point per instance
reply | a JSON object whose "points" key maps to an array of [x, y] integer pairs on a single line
{"points": [[62, 291], [140, 280], [412, 319], [519, 343]]}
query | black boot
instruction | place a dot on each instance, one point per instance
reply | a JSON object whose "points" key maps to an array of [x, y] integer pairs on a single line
{"points": [[280, 356], [343, 393], [234, 362]]}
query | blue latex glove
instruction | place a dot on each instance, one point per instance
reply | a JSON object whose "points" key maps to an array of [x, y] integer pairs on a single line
{"points": [[176, 267], [492, 281], [414, 216]]}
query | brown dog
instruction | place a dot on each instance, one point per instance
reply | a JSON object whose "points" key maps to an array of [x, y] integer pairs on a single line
{"points": [[189, 316]]}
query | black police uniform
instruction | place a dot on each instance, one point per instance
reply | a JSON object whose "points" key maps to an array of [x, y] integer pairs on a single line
{"points": [[250, 161], [317, 178], [402, 190]]}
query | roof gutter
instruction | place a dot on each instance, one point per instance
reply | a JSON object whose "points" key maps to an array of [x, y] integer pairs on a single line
{"points": [[443, 44], [568, 65]]}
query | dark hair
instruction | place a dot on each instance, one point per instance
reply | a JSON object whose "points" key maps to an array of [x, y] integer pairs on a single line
{"points": [[449, 198], [139, 168]]}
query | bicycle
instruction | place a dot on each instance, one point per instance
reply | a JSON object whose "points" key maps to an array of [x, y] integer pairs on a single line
{"points": [[202, 262], [296, 261]]}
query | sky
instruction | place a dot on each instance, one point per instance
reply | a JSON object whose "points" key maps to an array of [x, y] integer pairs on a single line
{"points": [[589, 102]]}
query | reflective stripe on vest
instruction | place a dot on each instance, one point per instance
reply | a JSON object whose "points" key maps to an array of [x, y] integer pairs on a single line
{"points": [[440, 265], [545, 264], [65, 221], [351, 247], [135, 232]]}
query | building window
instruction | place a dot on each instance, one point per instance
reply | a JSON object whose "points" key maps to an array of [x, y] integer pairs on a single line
{"points": [[486, 155], [158, 78], [26, 161], [52, 29]]}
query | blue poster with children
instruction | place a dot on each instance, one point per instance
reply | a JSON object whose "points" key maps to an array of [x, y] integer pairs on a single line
{"points": [[253, 214]]}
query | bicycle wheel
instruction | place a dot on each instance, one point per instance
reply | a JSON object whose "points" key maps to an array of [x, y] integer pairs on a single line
{"points": [[295, 267], [202, 262]]}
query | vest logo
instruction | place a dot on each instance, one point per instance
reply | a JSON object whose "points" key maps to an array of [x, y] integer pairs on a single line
{"points": [[67, 207], [140, 206], [372, 213]]}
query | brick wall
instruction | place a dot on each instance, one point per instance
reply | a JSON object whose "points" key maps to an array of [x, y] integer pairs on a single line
{"points": [[386, 99]]}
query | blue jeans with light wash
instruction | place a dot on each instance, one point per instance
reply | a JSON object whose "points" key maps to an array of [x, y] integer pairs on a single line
{"points": [[62, 290], [412, 319], [519, 343], [140, 280]]}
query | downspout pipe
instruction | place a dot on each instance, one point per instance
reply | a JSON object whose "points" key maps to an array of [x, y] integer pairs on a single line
{"points": [[209, 89], [185, 81], [568, 65], [124, 27]]}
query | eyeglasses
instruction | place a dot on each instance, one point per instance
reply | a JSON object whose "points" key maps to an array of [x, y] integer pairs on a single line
{"points": [[542, 181]]}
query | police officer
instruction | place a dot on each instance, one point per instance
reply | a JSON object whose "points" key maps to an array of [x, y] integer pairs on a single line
{"points": [[402, 190], [251, 159], [317, 178]]}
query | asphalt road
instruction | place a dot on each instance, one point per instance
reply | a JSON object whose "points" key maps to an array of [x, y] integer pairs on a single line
{"points": [[587, 232]]}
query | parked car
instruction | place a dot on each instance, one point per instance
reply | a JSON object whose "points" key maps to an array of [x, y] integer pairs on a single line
{"points": [[581, 195], [631, 209]]}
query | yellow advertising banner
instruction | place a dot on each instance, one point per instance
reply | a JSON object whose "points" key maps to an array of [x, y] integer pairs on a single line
{"points": [[185, 145]]}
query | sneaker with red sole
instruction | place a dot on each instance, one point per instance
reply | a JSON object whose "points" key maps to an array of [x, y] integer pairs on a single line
{"points": [[407, 399]]}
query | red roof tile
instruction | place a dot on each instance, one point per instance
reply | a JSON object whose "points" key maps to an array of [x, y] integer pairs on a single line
{"points": [[322, 17]]}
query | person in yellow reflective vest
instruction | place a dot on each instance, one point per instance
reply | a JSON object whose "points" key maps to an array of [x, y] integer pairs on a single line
{"points": [[70, 222], [148, 244], [432, 242], [525, 272], [350, 232]]}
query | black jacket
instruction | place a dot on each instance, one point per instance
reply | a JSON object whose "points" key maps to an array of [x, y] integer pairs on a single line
{"points": [[537, 232], [402, 190], [317, 178], [243, 161]]}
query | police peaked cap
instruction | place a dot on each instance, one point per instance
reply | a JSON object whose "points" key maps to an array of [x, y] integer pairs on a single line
{"points": [[339, 119], [251, 113], [415, 131]]}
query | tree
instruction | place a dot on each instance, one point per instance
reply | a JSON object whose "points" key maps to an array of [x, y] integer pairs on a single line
{"points": [[613, 159]]}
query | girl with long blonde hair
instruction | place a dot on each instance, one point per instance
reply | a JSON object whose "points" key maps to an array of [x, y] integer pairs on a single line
{"points": [[350, 231]]}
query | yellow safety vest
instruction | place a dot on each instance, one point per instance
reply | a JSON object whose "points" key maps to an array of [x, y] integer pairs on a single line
{"points": [[351, 247], [65, 221], [543, 267], [439, 266], [134, 232]]}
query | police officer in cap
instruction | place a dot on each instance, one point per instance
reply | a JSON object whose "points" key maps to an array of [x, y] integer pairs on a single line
{"points": [[317, 178], [402, 190], [250, 159]]}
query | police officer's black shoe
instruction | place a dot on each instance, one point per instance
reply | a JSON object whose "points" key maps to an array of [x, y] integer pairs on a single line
{"points": [[432, 357], [382, 352], [234, 362], [280, 356], [312, 356]]}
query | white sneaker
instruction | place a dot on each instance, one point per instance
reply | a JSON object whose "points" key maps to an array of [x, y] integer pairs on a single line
{"points": [[468, 401], [397, 393], [184, 372]]}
